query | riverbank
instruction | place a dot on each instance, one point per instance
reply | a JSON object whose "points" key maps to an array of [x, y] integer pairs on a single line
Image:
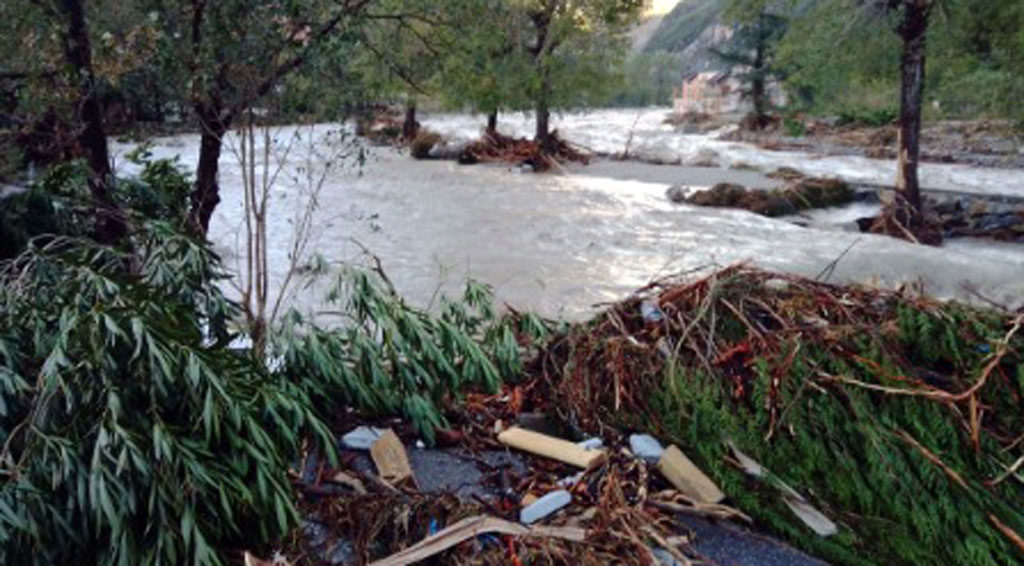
{"points": [[978, 143], [834, 417]]}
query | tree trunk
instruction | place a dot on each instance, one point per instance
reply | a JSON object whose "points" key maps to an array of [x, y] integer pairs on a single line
{"points": [[206, 193], [543, 111], [92, 137], [492, 121], [758, 88], [913, 33], [410, 127]]}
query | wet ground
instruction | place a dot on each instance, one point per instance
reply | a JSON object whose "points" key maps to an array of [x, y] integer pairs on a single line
{"points": [[459, 472]]}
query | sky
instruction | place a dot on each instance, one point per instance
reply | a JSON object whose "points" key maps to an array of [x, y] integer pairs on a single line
{"points": [[662, 6]]}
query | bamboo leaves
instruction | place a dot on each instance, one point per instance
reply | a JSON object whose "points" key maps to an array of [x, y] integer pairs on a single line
{"points": [[124, 416], [388, 357]]}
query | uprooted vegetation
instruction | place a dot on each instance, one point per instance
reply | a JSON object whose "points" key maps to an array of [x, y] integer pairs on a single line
{"points": [[497, 147], [898, 415]]}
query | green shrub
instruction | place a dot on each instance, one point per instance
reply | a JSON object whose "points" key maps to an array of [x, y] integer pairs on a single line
{"points": [[58, 204], [131, 432], [873, 117]]}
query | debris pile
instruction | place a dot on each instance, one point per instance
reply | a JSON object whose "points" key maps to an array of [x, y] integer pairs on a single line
{"points": [[494, 146], [850, 421], [898, 417], [573, 505], [380, 124]]}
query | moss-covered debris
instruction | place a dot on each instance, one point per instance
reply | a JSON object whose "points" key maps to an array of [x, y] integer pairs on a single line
{"points": [[800, 194]]}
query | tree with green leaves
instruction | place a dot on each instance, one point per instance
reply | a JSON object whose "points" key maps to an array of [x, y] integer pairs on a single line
{"points": [[61, 32], [752, 49], [400, 54], [485, 71], [234, 54], [573, 46]]}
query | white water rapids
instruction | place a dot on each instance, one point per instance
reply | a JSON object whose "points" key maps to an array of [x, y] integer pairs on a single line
{"points": [[560, 242]]}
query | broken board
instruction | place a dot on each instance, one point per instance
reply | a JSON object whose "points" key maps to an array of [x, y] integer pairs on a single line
{"points": [[550, 447], [687, 477], [392, 462]]}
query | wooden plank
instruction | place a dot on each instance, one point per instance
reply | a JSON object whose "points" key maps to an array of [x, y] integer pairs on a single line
{"points": [[550, 447], [389, 455], [688, 478]]}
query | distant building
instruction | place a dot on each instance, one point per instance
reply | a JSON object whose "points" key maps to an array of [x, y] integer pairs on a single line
{"points": [[717, 92], [710, 92]]}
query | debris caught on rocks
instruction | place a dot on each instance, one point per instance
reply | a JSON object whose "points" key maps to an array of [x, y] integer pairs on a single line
{"points": [[493, 146], [800, 194]]}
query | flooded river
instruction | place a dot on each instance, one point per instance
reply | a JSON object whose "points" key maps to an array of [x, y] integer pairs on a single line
{"points": [[561, 242]]}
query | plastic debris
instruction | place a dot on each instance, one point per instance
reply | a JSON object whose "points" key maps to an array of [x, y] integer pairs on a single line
{"points": [[650, 312], [570, 481], [591, 444], [544, 506], [361, 438], [646, 446]]}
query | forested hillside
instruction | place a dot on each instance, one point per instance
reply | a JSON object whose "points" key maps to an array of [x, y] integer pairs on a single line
{"points": [[842, 56]]}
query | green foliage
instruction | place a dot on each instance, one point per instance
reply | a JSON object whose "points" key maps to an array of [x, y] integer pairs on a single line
{"points": [[58, 204], [648, 80], [132, 433], [842, 57], [389, 358], [487, 64], [50, 206], [867, 117]]}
